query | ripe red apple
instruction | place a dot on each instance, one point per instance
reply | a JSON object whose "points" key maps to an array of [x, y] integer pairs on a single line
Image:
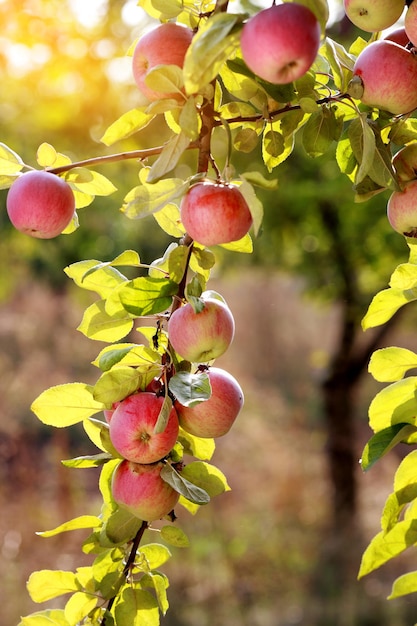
{"points": [[204, 336], [40, 204], [132, 428], [405, 163], [214, 213], [164, 45], [215, 416], [388, 74], [410, 22], [373, 15], [280, 44], [402, 210], [141, 490], [399, 36]]}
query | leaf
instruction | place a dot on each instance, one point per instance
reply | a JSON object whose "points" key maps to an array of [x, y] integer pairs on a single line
{"points": [[404, 277], [148, 198], [169, 156], [320, 131], [147, 295], [406, 473], [79, 606], [190, 389], [99, 325], [187, 489], [207, 477], [155, 554], [89, 182], [254, 204], [92, 460], [121, 527], [189, 119], [385, 304], [404, 585], [111, 355], [395, 404], [10, 161], [126, 125], [136, 607], [165, 79], [98, 432], [216, 41], [102, 280], [159, 583], [116, 384], [174, 536], [47, 584], [169, 220], [49, 617], [201, 447], [163, 416], [385, 546], [384, 441], [362, 140], [65, 405], [78, 523], [391, 364]]}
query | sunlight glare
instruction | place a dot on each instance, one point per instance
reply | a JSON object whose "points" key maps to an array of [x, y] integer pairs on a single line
{"points": [[90, 13]]}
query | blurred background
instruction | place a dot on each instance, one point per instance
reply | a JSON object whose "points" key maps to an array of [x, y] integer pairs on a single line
{"points": [[283, 547]]}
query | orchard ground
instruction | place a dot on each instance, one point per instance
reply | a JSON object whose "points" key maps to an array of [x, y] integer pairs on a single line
{"points": [[256, 551]]}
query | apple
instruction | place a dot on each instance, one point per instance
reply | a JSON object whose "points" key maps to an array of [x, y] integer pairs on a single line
{"points": [[280, 44], [132, 428], [40, 204], [215, 213], [405, 163], [385, 75], [164, 45], [373, 15], [140, 490], [410, 22], [108, 413], [213, 417], [402, 210], [398, 35], [203, 336]]}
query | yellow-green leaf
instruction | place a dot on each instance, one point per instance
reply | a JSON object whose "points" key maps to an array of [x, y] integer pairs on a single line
{"points": [[99, 325], [206, 476], [47, 584], [67, 404], [385, 304], [175, 536], [79, 606], [78, 523], [10, 161], [136, 607], [116, 384], [395, 404], [385, 546], [169, 157], [404, 585], [391, 364], [148, 198], [50, 617], [155, 554], [89, 182], [102, 281], [126, 125]]}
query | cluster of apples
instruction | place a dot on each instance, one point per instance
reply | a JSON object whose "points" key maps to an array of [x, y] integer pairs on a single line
{"points": [[198, 337], [385, 72]]}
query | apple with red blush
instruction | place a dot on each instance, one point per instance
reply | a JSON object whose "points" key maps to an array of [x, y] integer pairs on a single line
{"points": [[213, 417], [132, 428], [166, 44], [405, 163], [279, 44], [204, 333], [215, 213], [410, 22], [402, 209], [399, 36], [40, 204], [140, 490]]}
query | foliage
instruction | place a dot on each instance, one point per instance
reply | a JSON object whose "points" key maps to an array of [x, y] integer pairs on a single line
{"points": [[124, 584]]}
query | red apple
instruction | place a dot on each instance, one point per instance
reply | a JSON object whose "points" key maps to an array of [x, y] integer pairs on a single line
{"points": [[215, 213], [405, 163], [141, 490], [132, 428], [410, 22], [402, 210], [204, 336], [215, 416], [388, 75], [373, 15], [164, 45], [40, 204], [108, 413], [280, 44], [399, 36]]}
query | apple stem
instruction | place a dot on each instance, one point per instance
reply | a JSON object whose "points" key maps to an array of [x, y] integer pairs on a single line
{"points": [[128, 565]]}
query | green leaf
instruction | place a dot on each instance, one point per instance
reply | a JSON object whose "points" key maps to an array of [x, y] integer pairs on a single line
{"points": [[148, 198], [10, 161], [126, 125], [215, 42], [385, 304], [98, 432], [47, 584], [320, 131], [129, 258], [111, 355], [187, 489], [136, 607], [147, 295], [385, 546], [169, 221], [254, 204], [207, 477], [190, 389], [116, 384], [79, 606], [404, 585], [177, 263], [49, 617], [189, 119], [99, 325], [362, 140], [159, 583], [65, 405], [120, 527], [155, 555], [395, 404], [384, 441], [103, 281], [163, 416], [201, 448], [165, 79], [390, 364], [78, 523], [92, 460], [174, 536], [169, 156]]}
